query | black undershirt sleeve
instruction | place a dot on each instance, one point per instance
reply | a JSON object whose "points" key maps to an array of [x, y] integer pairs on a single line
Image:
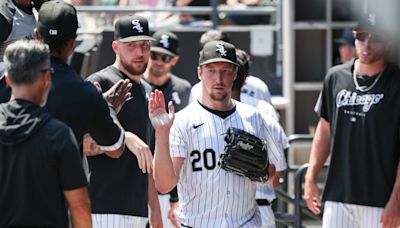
{"points": [[5, 30]]}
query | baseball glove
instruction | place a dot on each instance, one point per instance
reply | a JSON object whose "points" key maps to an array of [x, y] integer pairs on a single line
{"points": [[245, 155]]}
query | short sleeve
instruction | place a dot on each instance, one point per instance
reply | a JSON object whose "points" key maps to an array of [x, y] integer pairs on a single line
{"points": [[323, 102], [177, 142], [70, 167], [276, 142]]}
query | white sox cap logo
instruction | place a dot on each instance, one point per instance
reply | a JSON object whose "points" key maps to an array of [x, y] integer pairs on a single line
{"points": [[137, 26], [372, 19], [221, 49], [164, 41]]}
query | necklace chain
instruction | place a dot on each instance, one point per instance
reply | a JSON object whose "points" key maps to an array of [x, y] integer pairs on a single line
{"points": [[365, 88]]}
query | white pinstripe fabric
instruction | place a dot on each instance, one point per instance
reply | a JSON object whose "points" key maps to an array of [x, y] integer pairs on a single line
{"points": [[267, 191], [118, 221], [212, 197], [341, 215]]}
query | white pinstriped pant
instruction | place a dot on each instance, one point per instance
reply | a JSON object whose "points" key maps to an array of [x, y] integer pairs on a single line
{"points": [[341, 215], [267, 217], [118, 221]]}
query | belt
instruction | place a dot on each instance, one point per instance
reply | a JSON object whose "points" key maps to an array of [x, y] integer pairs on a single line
{"points": [[263, 202], [185, 226]]}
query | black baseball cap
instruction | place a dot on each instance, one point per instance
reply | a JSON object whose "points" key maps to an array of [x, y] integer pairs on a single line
{"points": [[57, 21], [370, 22], [132, 28], [347, 38], [218, 51], [165, 42]]}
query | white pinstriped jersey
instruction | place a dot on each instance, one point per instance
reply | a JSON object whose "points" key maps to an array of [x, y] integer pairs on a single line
{"points": [[267, 191], [208, 195], [269, 113], [262, 106]]}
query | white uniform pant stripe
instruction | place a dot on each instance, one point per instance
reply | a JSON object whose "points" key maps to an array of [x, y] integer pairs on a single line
{"points": [[267, 217], [118, 221], [341, 215]]}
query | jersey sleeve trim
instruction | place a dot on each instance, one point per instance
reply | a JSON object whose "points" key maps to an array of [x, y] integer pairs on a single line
{"points": [[116, 145]]}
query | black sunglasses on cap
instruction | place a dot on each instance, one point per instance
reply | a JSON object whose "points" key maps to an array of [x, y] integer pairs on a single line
{"points": [[362, 36], [162, 57]]}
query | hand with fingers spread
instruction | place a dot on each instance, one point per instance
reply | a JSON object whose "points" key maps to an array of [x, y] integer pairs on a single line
{"points": [[160, 119], [118, 94], [312, 196], [141, 150]]}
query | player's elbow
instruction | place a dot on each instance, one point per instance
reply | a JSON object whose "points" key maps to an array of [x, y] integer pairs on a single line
{"points": [[164, 185], [163, 188]]}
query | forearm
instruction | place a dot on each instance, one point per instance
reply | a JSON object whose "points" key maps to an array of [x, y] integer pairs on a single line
{"points": [[154, 203], [79, 205], [319, 150], [164, 173], [81, 216], [395, 196]]}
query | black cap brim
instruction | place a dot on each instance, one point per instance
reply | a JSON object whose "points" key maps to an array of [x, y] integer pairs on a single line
{"points": [[162, 50], [135, 38], [216, 60]]}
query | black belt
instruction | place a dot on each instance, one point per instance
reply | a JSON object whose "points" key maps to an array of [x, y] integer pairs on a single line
{"points": [[263, 202], [185, 226]]}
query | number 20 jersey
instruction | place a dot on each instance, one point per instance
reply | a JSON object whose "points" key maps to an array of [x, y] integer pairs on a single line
{"points": [[208, 195]]}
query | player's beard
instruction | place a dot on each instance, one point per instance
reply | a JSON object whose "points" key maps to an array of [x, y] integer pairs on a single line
{"points": [[375, 55], [218, 97], [131, 69]]}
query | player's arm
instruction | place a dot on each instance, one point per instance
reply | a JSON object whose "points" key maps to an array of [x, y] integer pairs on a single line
{"points": [[319, 154], [155, 218], [79, 206], [166, 169], [391, 213]]}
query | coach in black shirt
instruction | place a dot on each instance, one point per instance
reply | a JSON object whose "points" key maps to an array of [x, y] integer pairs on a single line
{"points": [[72, 100], [41, 169]]}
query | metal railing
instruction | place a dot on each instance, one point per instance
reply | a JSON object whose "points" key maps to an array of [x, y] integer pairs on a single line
{"points": [[213, 10]]}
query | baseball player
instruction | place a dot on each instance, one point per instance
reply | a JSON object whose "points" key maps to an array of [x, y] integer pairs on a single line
{"points": [[189, 154], [265, 192], [164, 54], [121, 195], [359, 127]]}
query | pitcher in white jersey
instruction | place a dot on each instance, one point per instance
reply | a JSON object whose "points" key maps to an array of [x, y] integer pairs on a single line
{"points": [[187, 150]]}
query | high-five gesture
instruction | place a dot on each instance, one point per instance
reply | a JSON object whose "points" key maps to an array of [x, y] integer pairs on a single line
{"points": [[159, 117]]}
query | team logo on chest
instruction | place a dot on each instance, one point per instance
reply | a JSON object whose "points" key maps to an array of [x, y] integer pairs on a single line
{"points": [[176, 98], [349, 98], [164, 41], [221, 49], [137, 26]]}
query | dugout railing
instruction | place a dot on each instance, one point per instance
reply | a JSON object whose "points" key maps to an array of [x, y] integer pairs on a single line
{"points": [[290, 208]]}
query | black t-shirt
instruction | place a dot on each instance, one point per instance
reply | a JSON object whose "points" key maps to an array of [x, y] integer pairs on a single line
{"points": [[365, 136], [34, 173], [117, 186], [80, 105]]}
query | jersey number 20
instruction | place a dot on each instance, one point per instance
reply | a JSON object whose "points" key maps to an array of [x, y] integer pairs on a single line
{"points": [[206, 159]]}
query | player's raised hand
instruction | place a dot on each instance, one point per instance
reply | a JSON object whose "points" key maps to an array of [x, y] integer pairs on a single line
{"points": [[118, 94], [312, 196], [158, 115]]}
